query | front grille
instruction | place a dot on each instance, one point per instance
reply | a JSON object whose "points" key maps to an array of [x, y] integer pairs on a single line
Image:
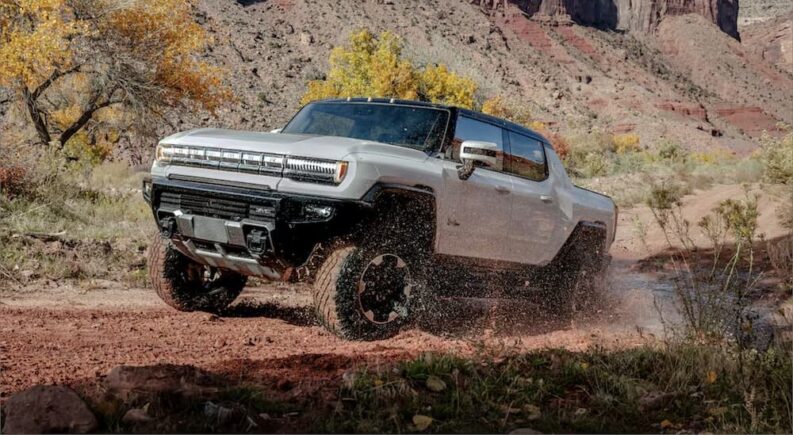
{"points": [[227, 208]]}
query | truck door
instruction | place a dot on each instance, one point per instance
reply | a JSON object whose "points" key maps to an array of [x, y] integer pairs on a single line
{"points": [[536, 219], [474, 214]]}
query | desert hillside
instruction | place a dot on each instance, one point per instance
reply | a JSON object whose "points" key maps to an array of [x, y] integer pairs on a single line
{"points": [[676, 78]]}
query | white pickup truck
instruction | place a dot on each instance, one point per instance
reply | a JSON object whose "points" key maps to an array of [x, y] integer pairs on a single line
{"points": [[377, 203]]}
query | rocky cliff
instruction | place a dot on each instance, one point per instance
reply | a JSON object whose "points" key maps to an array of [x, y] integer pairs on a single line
{"points": [[635, 15]]}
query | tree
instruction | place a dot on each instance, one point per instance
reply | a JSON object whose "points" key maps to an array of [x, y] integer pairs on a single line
{"points": [[77, 65], [373, 66]]}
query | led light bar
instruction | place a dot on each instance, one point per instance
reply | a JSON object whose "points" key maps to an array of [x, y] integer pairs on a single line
{"points": [[296, 168]]}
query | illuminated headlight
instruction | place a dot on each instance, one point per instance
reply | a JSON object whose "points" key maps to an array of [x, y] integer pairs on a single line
{"points": [[251, 162], [181, 154], [273, 164], [164, 154], [313, 170], [231, 160], [296, 168]]}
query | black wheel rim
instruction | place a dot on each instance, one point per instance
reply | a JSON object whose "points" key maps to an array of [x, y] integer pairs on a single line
{"points": [[384, 289]]}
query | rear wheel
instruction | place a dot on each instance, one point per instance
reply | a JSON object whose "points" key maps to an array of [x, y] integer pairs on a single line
{"points": [[366, 292], [187, 285], [574, 282]]}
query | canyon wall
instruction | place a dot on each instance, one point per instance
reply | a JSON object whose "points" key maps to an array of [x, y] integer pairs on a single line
{"points": [[635, 15]]}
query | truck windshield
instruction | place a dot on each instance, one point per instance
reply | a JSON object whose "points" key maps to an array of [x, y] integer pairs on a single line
{"points": [[420, 128]]}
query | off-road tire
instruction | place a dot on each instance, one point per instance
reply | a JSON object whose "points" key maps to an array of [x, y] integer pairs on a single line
{"points": [[577, 278], [168, 271], [336, 292]]}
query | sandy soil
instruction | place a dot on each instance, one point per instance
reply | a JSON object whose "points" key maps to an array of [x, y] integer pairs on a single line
{"points": [[63, 334]]}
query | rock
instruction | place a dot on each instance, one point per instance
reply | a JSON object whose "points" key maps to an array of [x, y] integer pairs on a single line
{"points": [[422, 422], [214, 317], [655, 400], [633, 15], [524, 430], [306, 38], [47, 409], [137, 416], [435, 384], [124, 381]]}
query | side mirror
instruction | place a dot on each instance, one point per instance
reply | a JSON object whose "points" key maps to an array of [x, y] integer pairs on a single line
{"points": [[475, 153], [277, 130]]}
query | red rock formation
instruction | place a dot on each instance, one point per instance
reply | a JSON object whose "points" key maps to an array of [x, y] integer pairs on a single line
{"points": [[690, 110], [772, 40], [635, 15]]}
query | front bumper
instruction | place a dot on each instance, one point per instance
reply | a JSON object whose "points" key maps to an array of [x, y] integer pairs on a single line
{"points": [[252, 231]]}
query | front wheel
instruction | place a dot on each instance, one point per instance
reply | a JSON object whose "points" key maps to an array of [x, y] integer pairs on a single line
{"points": [[190, 286], [366, 293]]}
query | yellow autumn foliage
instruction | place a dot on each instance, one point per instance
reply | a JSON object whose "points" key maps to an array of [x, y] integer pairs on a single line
{"points": [[443, 86], [34, 40], [500, 107], [625, 143], [373, 66], [168, 26], [138, 58]]}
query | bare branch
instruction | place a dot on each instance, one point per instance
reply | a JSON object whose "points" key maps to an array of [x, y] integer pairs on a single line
{"points": [[83, 119], [54, 76], [36, 116]]}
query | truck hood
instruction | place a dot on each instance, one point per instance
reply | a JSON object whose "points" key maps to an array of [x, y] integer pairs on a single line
{"points": [[322, 147]]}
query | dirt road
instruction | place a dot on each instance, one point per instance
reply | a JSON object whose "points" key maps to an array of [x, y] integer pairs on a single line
{"points": [[66, 334]]}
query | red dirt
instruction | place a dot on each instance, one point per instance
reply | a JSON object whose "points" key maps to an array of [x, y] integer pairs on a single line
{"points": [[536, 35], [580, 43], [57, 342]]}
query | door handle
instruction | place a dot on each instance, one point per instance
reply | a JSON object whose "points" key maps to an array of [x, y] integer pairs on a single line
{"points": [[546, 199], [502, 190]]}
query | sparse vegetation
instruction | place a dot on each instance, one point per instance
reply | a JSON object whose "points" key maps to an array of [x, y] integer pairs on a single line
{"points": [[777, 157], [712, 286], [679, 387], [618, 166], [73, 222]]}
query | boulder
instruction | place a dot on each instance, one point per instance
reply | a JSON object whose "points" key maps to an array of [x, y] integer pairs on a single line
{"points": [[125, 381], [47, 409]]}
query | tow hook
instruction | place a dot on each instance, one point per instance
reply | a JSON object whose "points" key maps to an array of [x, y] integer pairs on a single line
{"points": [[257, 242], [168, 227]]}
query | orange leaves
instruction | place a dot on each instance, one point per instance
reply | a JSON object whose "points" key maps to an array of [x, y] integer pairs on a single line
{"points": [[164, 33], [34, 40]]}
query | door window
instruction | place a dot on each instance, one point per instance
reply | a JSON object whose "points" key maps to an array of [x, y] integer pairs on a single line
{"points": [[471, 129], [526, 158]]}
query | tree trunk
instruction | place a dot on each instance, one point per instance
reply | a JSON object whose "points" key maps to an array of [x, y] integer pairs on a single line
{"points": [[35, 117]]}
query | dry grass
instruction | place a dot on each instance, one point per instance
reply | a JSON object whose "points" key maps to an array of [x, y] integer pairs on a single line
{"points": [[82, 223], [599, 162]]}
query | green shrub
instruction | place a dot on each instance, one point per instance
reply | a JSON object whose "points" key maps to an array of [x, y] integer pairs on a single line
{"points": [[777, 157]]}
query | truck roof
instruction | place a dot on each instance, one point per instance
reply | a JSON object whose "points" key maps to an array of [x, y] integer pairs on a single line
{"points": [[467, 112]]}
